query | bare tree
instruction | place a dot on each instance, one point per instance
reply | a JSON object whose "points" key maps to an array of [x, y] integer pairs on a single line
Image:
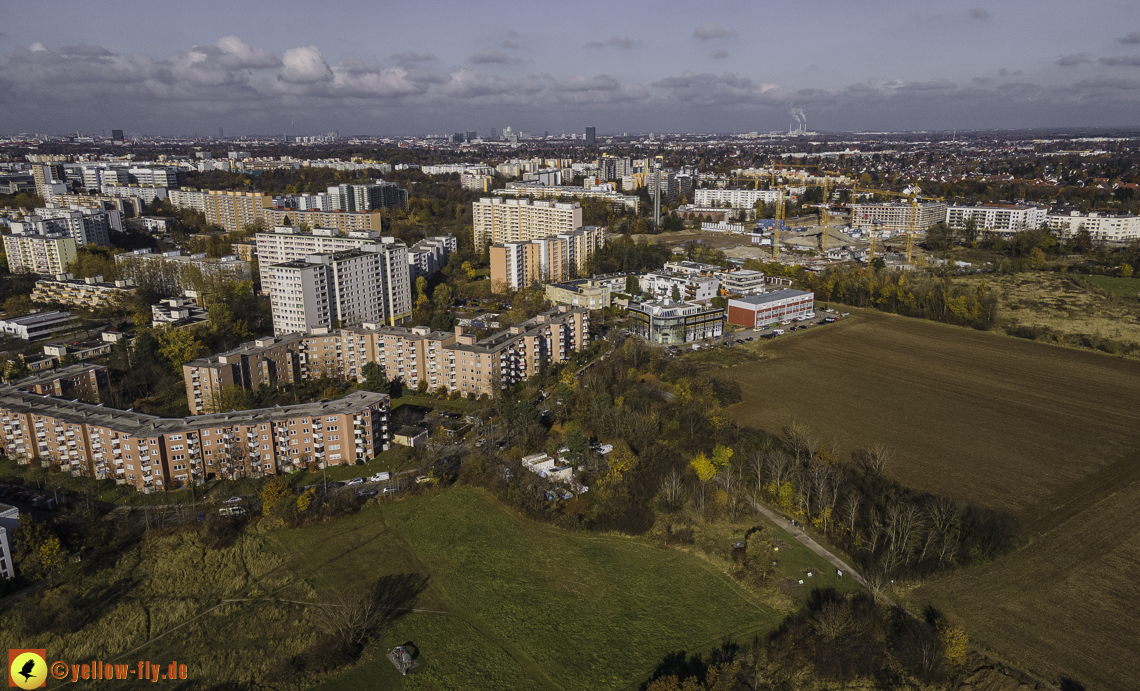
{"points": [[671, 489], [874, 461], [797, 438], [729, 480], [778, 466], [850, 510]]}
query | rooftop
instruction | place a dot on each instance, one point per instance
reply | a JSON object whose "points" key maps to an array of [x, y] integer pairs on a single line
{"points": [[771, 297]]}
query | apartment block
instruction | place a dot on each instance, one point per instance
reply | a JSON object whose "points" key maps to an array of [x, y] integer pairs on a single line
{"points": [[342, 221], [90, 292], [499, 220], [897, 216], [736, 199], [997, 218], [86, 382], [230, 210], [457, 361], [430, 255], [40, 254], [288, 244], [1101, 227], [360, 198], [323, 290], [86, 226], [555, 258], [155, 454], [690, 287]]}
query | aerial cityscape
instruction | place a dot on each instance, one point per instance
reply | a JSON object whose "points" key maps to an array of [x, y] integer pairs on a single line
{"points": [[651, 346]]}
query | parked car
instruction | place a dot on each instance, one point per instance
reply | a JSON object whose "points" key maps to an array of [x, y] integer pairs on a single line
{"points": [[366, 493], [421, 479], [391, 489], [232, 500], [232, 511], [356, 481]]}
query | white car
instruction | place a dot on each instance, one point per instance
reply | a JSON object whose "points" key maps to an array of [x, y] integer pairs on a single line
{"points": [[356, 481], [379, 477], [232, 500]]}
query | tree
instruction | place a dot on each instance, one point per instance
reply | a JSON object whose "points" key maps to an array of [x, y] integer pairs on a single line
{"points": [[442, 296], [1126, 270], [632, 286], [1037, 258], [443, 321], [421, 287], [229, 397], [939, 236], [968, 234], [18, 369], [179, 346], [675, 293], [375, 378], [18, 305], [272, 492], [878, 263]]}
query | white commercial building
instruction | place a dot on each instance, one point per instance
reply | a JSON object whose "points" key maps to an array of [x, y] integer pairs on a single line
{"points": [[38, 324], [897, 216], [996, 218], [499, 220], [1103, 227], [690, 288], [736, 199]]}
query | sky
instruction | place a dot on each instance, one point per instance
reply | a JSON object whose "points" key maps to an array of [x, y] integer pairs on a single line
{"points": [[406, 68]]}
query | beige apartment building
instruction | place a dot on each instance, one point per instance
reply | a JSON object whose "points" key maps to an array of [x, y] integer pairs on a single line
{"points": [[342, 221], [457, 362], [499, 220], [156, 454], [91, 292], [40, 254], [230, 210], [557, 258]]}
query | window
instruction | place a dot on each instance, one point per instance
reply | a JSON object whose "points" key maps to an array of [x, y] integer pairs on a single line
{"points": [[176, 447], [175, 437]]}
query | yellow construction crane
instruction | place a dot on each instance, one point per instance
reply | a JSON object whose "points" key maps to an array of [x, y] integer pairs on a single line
{"points": [[911, 198]]}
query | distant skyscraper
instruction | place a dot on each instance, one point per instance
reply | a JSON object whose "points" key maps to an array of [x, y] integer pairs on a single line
{"points": [[221, 133], [117, 136], [589, 136], [472, 136]]}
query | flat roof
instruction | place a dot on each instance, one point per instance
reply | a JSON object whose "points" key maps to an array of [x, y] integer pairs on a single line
{"points": [[775, 295]]}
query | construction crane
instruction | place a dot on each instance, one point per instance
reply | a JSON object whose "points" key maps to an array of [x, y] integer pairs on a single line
{"points": [[911, 198]]}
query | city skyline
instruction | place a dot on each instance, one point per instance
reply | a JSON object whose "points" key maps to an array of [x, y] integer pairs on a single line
{"points": [[438, 67]]}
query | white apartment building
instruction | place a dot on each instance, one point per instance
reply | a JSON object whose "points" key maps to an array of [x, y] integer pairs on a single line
{"points": [[736, 199], [516, 265], [40, 254], [522, 220], [897, 216], [430, 255], [1102, 227], [996, 218], [326, 290], [289, 244], [87, 226]]}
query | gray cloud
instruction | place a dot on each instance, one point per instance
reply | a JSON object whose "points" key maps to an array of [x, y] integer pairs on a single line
{"points": [[1073, 60], [411, 58], [979, 13], [712, 30], [1133, 37], [602, 89], [510, 45], [489, 57], [1121, 61], [719, 54], [615, 42]]}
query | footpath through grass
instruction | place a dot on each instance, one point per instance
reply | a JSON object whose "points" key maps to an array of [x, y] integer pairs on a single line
{"points": [[516, 604]]}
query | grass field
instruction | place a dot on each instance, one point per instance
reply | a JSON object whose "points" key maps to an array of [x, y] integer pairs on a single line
{"points": [[1046, 433], [514, 604], [1066, 304]]}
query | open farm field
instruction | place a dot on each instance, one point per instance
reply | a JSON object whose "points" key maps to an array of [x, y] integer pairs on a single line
{"points": [[1098, 312], [1045, 433]]}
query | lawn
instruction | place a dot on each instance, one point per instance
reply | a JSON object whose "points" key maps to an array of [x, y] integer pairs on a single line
{"points": [[522, 605], [1117, 285], [1043, 432]]}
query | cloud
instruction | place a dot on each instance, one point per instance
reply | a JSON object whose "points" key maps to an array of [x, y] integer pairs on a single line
{"points": [[411, 58], [598, 90], [1131, 38], [719, 54], [304, 66], [510, 45], [712, 30], [1121, 61], [713, 90], [1073, 60], [615, 42], [489, 57], [979, 13]]}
